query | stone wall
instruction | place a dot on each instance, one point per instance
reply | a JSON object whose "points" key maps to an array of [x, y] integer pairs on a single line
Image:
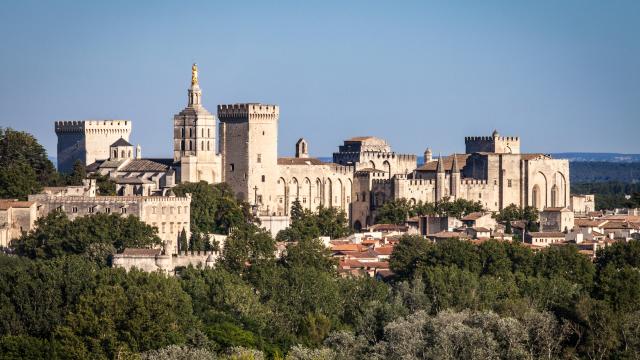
{"points": [[87, 141]]}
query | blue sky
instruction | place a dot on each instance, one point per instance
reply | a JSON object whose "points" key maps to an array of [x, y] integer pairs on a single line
{"points": [[563, 75]]}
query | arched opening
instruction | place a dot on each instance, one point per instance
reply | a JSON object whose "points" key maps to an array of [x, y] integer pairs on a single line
{"points": [[357, 226], [387, 167], [535, 197], [372, 165], [554, 196]]}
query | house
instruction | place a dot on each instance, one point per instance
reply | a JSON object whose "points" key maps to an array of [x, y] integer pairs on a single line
{"points": [[545, 238], [556, 219], [479, 219]]}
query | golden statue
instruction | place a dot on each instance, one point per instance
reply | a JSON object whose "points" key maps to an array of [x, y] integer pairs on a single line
{"points": [[194, 74]]}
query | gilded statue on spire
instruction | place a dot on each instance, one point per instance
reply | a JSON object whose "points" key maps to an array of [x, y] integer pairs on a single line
{"points": [[194, 74]]}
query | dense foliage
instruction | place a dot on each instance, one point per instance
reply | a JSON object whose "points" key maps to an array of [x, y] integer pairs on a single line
{"points": [[610, 195], [326, 221], [398, 211], [96, 235], [450, 300], [214, 209]]}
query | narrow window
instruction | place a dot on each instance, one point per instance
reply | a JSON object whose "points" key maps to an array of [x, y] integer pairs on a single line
{"points": [[259, 158], [231, 167], [263, 178], [509, 183]]}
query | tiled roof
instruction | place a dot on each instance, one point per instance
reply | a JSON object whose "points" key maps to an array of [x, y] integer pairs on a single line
{"points": [[547, 234], [473, 216], [121, 142], [589, 222], [299, 161], [447, 162], [144, 165], [347, 247], [620, 225], [481, 229], [383, 250], [387, 227], [10, 203], [449, 235], [111, 164]]}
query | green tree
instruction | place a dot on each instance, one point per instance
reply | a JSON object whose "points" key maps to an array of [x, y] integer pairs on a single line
{"points": [[247, 245], [78, 174], [17, 147], [394, 212], [214, 209], [55, 235], [18, 180], [183, 244], [407, 253]]}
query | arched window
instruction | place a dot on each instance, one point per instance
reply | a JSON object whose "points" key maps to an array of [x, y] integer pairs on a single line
{"points": [[115, 154], [182, 131], [208, 146], [202, 145], [122, 154], [202, 132], [182, 145], [209, 133], [554, 196]]}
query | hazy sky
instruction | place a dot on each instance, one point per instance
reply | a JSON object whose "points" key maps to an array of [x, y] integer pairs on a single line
{"points": [[563, 75]]}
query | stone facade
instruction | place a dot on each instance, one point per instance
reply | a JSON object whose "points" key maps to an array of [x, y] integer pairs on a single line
{"points": [[557, 219], [363, 175], [169, 214], [88, 141], [16, 218]]}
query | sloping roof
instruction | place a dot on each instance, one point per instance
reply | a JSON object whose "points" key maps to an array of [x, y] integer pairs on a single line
{"points": [[111, 164], [481, 229], [547, 234], [9, 203], [447, 162], [299, 161], [449, 235], [388, 227], [620, 225], [121, 142], [589, 222], [144, 165], [473, 216]]}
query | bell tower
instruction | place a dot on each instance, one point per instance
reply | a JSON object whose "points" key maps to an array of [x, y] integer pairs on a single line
{"points": [[194, 138]]}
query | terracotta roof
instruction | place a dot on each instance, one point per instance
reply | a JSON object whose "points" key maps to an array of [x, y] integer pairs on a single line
{"points": [[141, 252], [547, 234], [300, 161], [387, 227], [620, 225], [110, 164], [383, 250], [481, 229], [473, 216], [589, 223], [376, 264], [449, 235], [350, 263], [10, 203], [447, 162], [347, 247], [363, 255], [144, 165]]}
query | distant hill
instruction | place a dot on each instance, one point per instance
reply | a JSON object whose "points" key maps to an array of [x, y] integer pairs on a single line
{"points": [[606, 157]]}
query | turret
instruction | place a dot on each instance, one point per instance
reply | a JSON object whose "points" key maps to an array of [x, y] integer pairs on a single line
{"points": [[302, 150], [428, 156]]}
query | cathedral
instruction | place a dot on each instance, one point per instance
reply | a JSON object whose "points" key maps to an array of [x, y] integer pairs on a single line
{"points": [[364, 174]]}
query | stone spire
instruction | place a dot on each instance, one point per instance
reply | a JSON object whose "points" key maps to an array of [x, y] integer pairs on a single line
{"points": [[454, 166], [440, 168], [195, 94], [428, 156]]}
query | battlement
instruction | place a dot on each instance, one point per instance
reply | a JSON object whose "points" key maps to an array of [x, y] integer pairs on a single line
{"points": [[492, 144], [490, 138], [248, 111], [90, 126], [474, 182]]}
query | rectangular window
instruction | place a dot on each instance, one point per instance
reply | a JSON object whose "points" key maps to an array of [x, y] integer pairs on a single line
{"points": [[231, 167], [178, 209], [107, 210], [90, 210], [163, 227], [509, 183], [74, 209], [123, 210], [259, 158]]}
